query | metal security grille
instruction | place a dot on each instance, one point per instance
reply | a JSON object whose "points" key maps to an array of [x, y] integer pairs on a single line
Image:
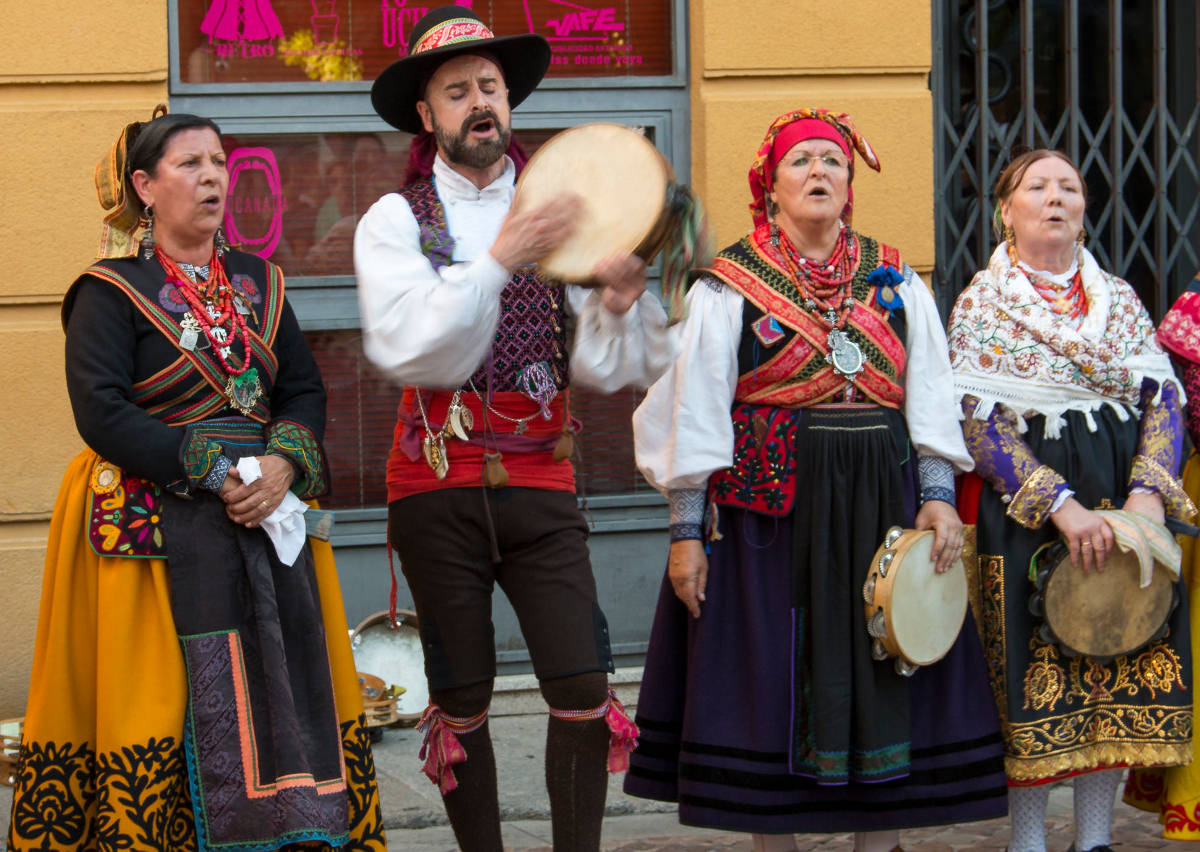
{"points": [[1111, 82]]}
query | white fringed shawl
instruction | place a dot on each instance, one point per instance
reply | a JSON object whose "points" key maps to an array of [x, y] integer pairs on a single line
{"points": [[1008, 346]]}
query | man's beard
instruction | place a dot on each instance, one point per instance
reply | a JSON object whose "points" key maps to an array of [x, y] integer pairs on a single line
{"points": [[461, 150]]}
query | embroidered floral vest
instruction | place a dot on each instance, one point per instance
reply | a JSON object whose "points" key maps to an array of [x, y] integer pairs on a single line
{"points": [[782, 360], [782, 366], [532, 326]]}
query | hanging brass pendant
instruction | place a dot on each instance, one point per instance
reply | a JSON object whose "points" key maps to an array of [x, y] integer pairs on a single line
{"points": [[565, 447], [494, 473], [435, 456]]}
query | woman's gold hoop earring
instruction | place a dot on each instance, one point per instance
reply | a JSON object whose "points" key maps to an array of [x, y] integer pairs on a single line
{"points": [[1010, 237], [1081, 237]]}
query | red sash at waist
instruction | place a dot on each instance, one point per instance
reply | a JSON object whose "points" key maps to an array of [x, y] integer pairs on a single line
{"points": [[528, 457]]}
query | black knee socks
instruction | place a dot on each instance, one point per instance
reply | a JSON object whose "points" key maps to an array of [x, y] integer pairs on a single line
{"points": [[473, 807], [576, 762]]}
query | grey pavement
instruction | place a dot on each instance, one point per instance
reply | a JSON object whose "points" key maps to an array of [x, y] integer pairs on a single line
{"points": [[416, 822]]}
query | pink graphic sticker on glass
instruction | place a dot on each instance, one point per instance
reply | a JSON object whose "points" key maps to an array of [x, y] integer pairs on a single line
{"points": [[254, 207], [324, 21], [241, 20], [397, 18], [574, 22]]}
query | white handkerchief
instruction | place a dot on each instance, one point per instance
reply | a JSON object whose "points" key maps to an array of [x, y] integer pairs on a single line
{"points": [[250, 469], [284, 526]]}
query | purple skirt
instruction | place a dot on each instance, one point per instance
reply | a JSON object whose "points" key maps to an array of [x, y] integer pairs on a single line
{"points": [[721, 707]]}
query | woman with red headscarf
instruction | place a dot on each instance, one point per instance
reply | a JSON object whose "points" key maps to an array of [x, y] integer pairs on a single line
{"points": [[810, 410]]}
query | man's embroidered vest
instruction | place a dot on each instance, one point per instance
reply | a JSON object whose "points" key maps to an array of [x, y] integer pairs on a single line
{"points": [[532, 324]]}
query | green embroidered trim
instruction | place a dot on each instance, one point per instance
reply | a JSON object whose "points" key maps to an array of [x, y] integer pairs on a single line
{"points": [[198, 454], [297, 442], [860, 765]]}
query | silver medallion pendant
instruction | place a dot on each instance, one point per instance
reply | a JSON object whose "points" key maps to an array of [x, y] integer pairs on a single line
{"points": [[189, 333], [844, 354]]}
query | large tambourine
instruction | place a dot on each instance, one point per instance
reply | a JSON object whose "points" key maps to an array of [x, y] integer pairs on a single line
{"points": [[914, 614], [630, 203], [1105, 614], [621, 180], [391, 652]]}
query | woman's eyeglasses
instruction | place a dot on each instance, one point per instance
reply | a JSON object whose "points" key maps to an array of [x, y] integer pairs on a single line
{"points": [[804, 161]]}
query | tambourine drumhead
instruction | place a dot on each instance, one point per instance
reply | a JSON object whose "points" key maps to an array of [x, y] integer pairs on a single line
{"points": [[1105, 614], [394, 654], [913, 612], [621, 179], [927, 608]]}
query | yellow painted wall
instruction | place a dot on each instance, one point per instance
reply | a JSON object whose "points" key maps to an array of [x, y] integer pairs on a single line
{"points": [[64, 95], [753, 60]]}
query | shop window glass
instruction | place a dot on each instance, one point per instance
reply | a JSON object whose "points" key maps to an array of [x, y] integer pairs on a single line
{"points": [[243, 41], [295, 198]]}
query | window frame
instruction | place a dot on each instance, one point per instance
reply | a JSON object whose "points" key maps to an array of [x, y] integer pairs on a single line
{"points": [[329, 302]]}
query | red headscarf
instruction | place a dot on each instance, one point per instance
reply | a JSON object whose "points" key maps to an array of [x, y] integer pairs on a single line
{"points": [[793, 127]]}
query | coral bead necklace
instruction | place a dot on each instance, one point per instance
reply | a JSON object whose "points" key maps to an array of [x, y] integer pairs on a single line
{"points": [[213, 308]]}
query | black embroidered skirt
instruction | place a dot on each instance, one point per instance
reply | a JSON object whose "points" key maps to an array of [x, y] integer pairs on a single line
{"points": [[1066, 715], [103, 764], [768, 714]]}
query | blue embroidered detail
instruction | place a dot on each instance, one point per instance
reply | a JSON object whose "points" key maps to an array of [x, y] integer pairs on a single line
{"points": [[946, 495], [885, 278], [686, 532], [884, 275]]}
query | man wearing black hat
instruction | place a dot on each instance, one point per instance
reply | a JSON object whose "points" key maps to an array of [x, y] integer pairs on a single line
{"points": [[481, 489]]}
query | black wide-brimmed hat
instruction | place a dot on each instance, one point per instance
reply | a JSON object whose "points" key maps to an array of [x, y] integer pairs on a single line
{"points": [[442, 34]]}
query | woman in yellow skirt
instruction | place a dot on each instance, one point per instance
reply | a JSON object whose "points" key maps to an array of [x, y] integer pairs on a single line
{"points": [[193, 686], [1174, 792]]}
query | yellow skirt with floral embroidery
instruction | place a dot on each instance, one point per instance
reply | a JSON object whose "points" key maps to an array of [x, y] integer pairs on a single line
{"points": [[1174, 791], [101, 764]]}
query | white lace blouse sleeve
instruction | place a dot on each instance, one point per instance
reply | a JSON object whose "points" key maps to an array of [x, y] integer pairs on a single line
{"points": [[682, 431], [930, 406], [612, 351], [423, 326]]}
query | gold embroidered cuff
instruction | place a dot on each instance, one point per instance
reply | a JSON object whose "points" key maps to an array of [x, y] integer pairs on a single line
{"points": [[1147, 473], [1030, 506]]}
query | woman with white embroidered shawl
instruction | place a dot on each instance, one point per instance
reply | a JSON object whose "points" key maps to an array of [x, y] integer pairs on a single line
{"points": [[1071, 406]]}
